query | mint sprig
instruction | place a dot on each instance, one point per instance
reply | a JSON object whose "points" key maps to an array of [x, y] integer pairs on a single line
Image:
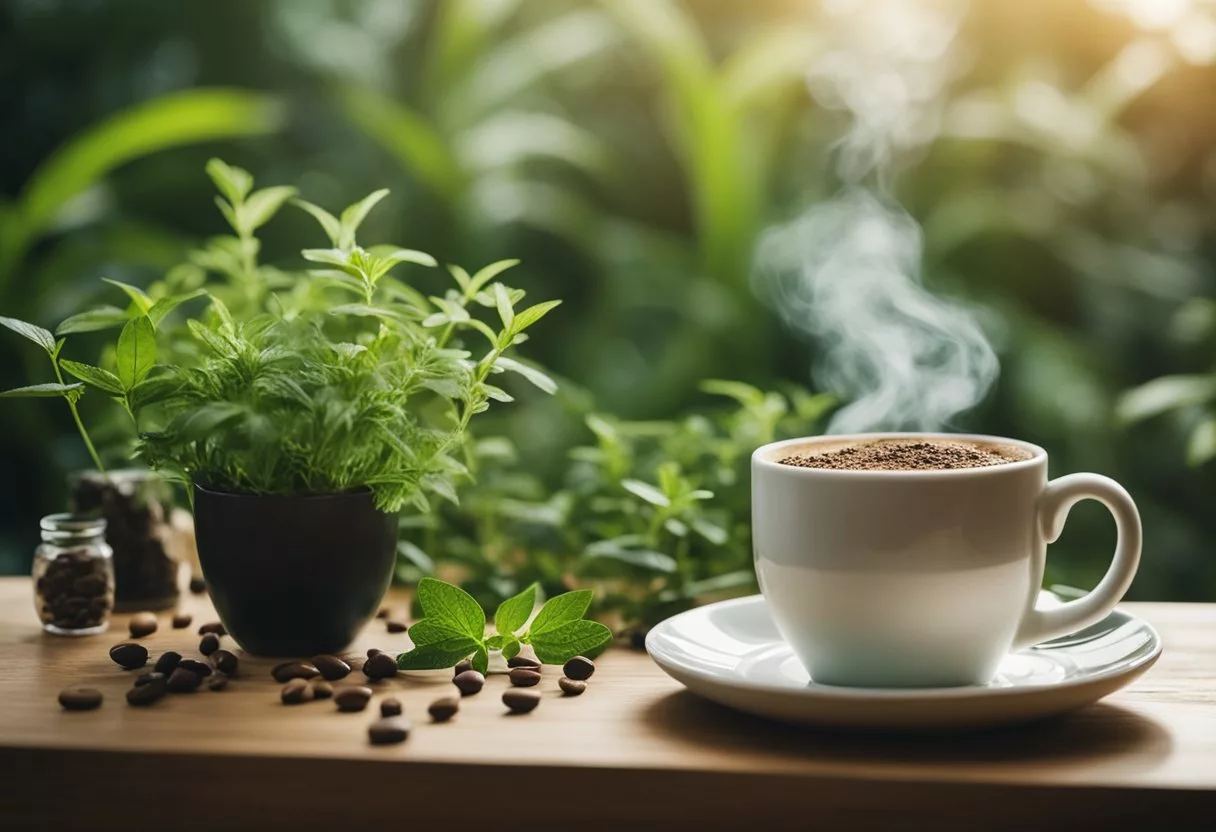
{"points": [[453, 628]]}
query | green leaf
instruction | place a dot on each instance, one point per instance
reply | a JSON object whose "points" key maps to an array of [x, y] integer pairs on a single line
{"points": [[261, 206], [712, 532], [513, 613], [643, 558], [41, 391], [558, 645], [136, 354], [538, 378], [140, 298], [93, 320], [561, 609], [451, 605], [1201, 448], [1165, 393], [502, 299], [647, 492], [408, 255], [96, 376], [511, 648], [439, 655], [486, 274], [431, 630], [494, 642], [233, 182], [354, 215], [481, 659], [37, 334], [533, 314], [744, 394], [159, 310], [330, 223]]}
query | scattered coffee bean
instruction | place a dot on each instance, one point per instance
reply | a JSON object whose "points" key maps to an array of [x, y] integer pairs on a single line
{"points": [[129, 655], [295, 692], [469, 682], [382, 612], [331, 667], [218, 681], [167, 663], [182, 620], [142, 624], [380, 666], [571, 687], [184, 681], [461, 667], [80, 699], [225, 662], [523, 661], [321, 689], [395, 626], [149, 692], [441, 710], [294, 670], [388, 730], [372, 652], [212, 627], [524, 677], [199, 669], [390, 707], [198, 586], [579, 668], [352, 697], [209, 644], [520, 701], [148, 678]]}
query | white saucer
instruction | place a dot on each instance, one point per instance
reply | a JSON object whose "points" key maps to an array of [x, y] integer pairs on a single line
{"points": [[730, 652]]}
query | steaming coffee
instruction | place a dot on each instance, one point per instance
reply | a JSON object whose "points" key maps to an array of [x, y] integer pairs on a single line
{"points": [[906, 455]]}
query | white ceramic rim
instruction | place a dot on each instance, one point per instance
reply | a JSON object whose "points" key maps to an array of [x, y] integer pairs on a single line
{"points": [[832, 692]]}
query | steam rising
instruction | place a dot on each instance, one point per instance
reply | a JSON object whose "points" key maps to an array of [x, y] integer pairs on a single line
{"points": [[846, 273]]}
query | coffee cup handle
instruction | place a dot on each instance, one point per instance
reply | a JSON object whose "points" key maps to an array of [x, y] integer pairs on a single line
{"points": [[1057, 498]]}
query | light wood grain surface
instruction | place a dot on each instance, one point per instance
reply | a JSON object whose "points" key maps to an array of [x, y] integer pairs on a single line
{"points": [[635, 751]]}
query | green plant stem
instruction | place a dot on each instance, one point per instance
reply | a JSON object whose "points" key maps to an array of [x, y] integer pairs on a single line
{"points": [[84, 434]]}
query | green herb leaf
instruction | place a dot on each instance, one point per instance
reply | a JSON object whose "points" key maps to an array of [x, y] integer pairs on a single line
{"points": [[494, 642], [164, 306], [37, 334], [487, 274], [354, 215], [511, 648], [93, 320], [502, 300], [513, 613], [533, 314], [438, 655], [141, 300], [41, 391], [261, 206], [532, 374], [451, 605], [329, 223], [95, 376], [136, 353], [561, 609], [232, 182], [574, 638], [647, 492], [431, 630], [481, 659]]}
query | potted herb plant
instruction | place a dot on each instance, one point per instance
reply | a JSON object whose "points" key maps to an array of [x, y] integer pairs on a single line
{"points": [[303, 411]]}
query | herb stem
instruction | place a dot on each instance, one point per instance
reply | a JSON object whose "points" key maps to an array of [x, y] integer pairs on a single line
{"points": [[84, 434]]}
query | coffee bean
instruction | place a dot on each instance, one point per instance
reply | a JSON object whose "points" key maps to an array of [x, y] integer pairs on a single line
{"points": [[388, 730], [352, 697], [196, 667], [331, 667], [390, 707], [571, 687], [372, 652], [209, 644], [461, 667], [129, 655], [295, 692], [198, 586], [168, 661], [380, 666], [395, 626], [524, 677], [520, 701], [184, 681], [579, 668], [441, 710], [523, 661], [225, 662], [382, 612], [147, 693], [212, 627], [182, 620], [469, 682], [148, 678], [80, 699], [142, 624], [218, 681], [321, 689], [294, 670]]}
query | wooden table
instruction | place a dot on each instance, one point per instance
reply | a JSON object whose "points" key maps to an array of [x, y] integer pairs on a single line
{"points": [[634, 752]]}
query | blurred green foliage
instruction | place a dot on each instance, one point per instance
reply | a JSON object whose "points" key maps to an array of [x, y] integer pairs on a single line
{"points": [[629, 152]]}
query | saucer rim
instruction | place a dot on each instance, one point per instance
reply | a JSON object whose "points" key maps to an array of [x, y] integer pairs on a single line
{"points": [[817, 690]]}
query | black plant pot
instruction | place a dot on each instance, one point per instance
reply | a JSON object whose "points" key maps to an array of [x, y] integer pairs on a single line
{"points": [[294, 576]]}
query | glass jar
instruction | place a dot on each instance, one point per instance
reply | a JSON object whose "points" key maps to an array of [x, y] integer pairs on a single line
{"points": [[74, 576]]}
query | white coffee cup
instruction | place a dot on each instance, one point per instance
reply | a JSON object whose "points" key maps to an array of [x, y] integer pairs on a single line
{"points": [[921, 578]]}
